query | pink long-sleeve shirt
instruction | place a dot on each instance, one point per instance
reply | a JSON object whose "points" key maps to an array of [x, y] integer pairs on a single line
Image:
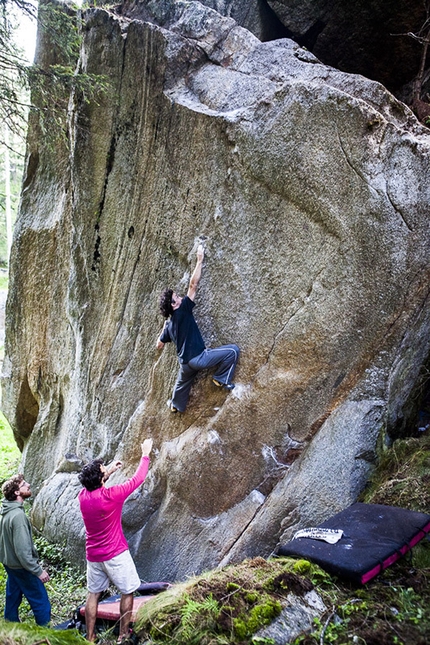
{"points": [[101, 510]]}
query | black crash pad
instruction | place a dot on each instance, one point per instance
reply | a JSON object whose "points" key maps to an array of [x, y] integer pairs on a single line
{"points": [[374, 537]]}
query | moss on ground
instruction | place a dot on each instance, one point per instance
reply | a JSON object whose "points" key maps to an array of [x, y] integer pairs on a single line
{"points": [[402, 477], [224, 606], [229, 606], [393, 609]]}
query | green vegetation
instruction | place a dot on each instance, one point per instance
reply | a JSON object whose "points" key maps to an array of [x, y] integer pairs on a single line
{"points": [[9, 452], [229, 606], [403, 476], [67, 587], [23, 634], [66, 590], [392, 609], [15, 167], [52, 86], [67, 582], [221, 607]]}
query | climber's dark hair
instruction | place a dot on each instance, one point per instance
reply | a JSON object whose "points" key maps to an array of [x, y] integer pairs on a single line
{"points": [[91, 476], [166, 303]]}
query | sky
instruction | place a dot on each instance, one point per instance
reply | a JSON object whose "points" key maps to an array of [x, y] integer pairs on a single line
{"points": [[25, 36]]}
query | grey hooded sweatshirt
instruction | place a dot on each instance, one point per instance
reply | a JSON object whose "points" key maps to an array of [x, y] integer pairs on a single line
{"points": [[17, 550]]}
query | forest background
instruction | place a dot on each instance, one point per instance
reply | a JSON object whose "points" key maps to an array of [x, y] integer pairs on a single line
{"points": [[19, 26]]}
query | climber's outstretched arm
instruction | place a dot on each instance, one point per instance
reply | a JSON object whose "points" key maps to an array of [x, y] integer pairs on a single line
{"points": [[195, 278]]}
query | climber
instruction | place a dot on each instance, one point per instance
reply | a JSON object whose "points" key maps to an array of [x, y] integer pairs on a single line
{"points": [[25, 576], [108, 556], [181, 328]]}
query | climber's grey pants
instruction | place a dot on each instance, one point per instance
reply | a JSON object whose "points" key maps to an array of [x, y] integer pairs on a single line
{"points": [[224, 358]]}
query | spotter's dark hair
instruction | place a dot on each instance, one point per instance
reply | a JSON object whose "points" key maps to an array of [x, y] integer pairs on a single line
{"points": [[91, 476]]}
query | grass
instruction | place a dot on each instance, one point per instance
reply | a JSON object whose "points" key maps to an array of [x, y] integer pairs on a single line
{"points": [[219, 607], [27, 634], [393, 609], [67, 587], [9, 452]]}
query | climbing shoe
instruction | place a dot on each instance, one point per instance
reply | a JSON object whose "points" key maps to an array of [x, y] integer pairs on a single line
{"points": [[171, 407], [226, 386]]}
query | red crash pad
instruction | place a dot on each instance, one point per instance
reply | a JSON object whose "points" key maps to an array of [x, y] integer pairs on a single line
{"points": [[109, 609]]}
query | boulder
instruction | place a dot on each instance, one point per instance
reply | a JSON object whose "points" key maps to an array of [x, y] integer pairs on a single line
{"points": [[369, 38], [255, 15], [310, 189], [375, 38]]}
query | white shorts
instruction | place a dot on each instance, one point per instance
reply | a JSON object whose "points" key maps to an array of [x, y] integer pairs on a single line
{"points": [[120, 570]]}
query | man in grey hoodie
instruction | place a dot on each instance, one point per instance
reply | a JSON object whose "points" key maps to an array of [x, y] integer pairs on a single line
{"points": [[25, 576]]}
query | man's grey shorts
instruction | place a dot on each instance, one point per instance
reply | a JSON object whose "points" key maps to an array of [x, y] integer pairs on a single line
{"points": [[120, 570]]}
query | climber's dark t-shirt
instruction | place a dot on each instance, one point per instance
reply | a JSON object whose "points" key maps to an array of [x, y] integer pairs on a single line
{"points": [[181, 328]]}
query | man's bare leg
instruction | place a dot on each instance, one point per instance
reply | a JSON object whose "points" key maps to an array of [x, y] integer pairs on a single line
{"points": [[125, 609], [91, 615]]}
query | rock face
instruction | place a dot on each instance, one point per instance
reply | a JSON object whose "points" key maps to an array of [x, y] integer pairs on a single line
{"points": [[370, 38], [310, 188], [255, 15]]}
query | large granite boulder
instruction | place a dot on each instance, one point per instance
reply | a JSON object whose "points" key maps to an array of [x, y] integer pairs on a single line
{"points": [[255, 15], [370, 38], [373, 38], [310, 189]]}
